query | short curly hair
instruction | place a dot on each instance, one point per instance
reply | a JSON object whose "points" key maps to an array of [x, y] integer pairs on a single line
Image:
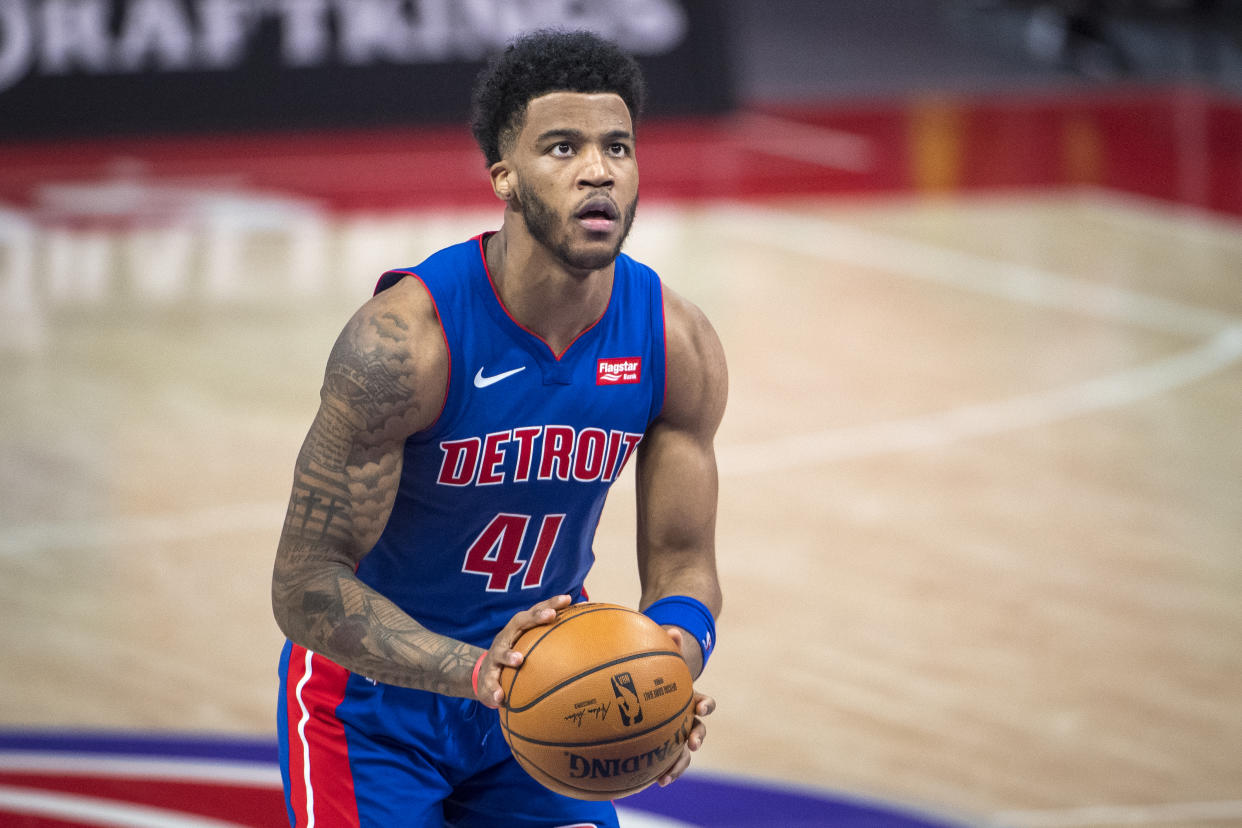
{"points": [[548, 60]]}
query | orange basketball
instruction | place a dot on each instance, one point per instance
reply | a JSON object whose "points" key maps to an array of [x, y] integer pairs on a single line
{"points": [[602, 704]]}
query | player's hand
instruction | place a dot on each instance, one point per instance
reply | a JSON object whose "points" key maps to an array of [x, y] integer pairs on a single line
{"points": [[502, 654], [691, 652], [704, 705]]}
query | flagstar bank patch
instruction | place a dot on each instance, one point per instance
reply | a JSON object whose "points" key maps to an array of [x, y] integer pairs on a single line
{"points": [[623, 371]]}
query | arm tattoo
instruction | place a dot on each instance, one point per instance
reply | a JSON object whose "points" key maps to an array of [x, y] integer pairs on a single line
{"points": [[344, 487], [371, 373]]}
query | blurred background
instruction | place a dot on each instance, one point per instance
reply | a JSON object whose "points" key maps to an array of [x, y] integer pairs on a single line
{"points": [[977, 266]]}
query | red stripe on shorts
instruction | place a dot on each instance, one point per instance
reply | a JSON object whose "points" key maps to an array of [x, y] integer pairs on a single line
{"points": [[321, 787]]}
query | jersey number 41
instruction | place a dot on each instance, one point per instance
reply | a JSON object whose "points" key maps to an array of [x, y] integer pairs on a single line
{"points": [[497, 551]]}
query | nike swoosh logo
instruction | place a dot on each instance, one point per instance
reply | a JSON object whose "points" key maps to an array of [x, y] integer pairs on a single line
{"points": [[481, 381]]}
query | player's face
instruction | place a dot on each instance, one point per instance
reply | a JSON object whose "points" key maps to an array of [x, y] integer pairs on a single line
{"points": [[575, 177]]}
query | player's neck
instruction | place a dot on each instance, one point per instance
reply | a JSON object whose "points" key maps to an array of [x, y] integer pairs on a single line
{"points": [[540, 293]]}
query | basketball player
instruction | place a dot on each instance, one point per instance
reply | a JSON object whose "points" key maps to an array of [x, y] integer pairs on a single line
{"points": [[473, 415]]}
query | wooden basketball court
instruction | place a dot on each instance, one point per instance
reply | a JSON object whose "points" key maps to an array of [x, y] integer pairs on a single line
{"points": [[980, 498]]}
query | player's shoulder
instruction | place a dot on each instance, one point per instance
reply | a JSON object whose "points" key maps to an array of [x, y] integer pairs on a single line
{"points": [[687, 330], [685, 323], [414, 291], [397, 317], [390, 361], [695, 360], [445, 269]]}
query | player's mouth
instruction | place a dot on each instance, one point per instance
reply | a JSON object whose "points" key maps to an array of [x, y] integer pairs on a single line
{"points": [[598, 215]]}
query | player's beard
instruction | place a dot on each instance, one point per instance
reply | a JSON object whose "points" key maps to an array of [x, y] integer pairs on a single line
{"points": [[547, 228]]}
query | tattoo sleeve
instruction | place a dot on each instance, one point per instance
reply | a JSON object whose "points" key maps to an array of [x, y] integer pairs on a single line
{"points": [[344, 486]]}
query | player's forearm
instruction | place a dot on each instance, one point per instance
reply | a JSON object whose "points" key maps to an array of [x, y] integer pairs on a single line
{"points": [[325, 608], [669, 571]]}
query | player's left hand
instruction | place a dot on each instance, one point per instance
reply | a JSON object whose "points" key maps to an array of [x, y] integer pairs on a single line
{"points": [[704, 705]]}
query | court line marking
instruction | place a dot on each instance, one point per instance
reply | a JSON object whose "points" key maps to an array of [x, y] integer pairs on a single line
{"points": [[903, 258], [793, 451], [258, 774], [629, 818], [986, 419], [835, 241], [93, 811], [1175, 812]]}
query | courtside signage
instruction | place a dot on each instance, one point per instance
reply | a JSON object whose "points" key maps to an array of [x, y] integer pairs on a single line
{"points": [[91, 67]]}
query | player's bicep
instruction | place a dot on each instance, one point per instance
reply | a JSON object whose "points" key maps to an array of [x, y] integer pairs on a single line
{"points": [[383, 382], [344, 483], [697, 385], [677, 476]]}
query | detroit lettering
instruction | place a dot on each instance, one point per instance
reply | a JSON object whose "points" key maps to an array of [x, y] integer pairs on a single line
{"points": [[544, 453]]}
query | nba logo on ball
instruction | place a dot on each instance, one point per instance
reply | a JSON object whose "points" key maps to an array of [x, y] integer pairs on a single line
{"points": [[627, 700], [602, 703]]}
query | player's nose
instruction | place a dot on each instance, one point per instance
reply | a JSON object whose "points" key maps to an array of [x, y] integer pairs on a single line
{"points": [[595, 170]]}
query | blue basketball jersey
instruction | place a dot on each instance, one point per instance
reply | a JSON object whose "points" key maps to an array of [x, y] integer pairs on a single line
{"points": [[499, 499]]}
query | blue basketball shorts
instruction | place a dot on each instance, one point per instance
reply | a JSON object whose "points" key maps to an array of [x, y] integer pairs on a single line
{"points": [[357, 753]]}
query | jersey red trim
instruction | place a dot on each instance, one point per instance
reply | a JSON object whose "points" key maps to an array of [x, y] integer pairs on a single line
{"points": [[664, 332], [492, 283]]}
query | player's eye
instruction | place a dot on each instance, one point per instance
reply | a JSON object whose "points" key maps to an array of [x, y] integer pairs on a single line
{"points": [[562, 150], [619, 150]]}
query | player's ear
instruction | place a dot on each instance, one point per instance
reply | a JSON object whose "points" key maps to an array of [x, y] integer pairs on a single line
{"points": [[502, 180]]}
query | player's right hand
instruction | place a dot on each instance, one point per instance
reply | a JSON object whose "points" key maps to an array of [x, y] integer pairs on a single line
{"points": [[502, 654]]}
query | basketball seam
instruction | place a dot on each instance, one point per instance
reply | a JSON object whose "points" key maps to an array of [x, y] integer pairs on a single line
{"points": [[515, 735], [594, 669], [513, 680], [581, 610], [579, 614]]}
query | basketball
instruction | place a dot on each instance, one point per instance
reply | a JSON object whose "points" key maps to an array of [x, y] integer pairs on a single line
{"points": [[602, 704]]}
